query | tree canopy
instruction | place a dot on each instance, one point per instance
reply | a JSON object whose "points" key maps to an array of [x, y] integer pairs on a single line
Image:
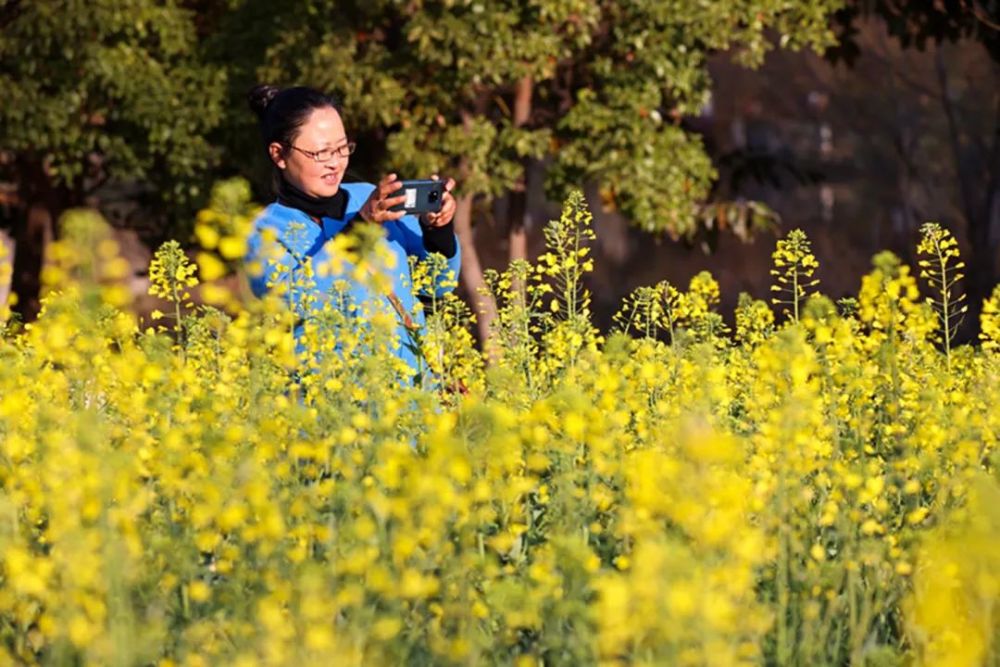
{"points": [[611, 82], [98, 92], [108, 90], [154, 91]]}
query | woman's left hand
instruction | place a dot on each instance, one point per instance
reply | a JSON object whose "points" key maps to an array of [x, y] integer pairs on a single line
{"points": [[447, 212]]}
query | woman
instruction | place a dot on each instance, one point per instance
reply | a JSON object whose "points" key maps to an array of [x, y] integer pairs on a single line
{"points": [[305, 139]]}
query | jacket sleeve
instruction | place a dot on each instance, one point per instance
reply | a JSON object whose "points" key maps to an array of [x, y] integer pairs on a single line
{"points": [[272, 267], [420, 246]]}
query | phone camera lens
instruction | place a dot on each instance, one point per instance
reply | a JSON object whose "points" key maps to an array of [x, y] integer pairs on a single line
{"points": [[433, 196]]}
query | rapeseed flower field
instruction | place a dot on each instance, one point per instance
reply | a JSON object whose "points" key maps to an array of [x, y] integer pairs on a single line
{"points": [[814, 485]]}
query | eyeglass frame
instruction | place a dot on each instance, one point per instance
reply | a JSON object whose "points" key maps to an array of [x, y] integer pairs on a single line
{"points": [[351, 146]]}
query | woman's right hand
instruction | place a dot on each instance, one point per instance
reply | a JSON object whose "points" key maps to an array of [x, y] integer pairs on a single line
{"points": [[376, 209]]}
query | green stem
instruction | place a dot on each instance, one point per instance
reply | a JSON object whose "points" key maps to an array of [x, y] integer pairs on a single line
{"points": [[795, 292], [783, 656], [945, 315], [177, 316]]}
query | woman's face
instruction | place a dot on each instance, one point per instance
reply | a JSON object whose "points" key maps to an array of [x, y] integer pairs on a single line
{"points": [[323, 129]]}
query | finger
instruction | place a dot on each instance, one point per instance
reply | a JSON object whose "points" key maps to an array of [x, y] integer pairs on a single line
{"points": [[394, 201], [448, 212], [449, 185], [380, 214], [448, 207], [388, 190], [388, 185], [386, 213]]}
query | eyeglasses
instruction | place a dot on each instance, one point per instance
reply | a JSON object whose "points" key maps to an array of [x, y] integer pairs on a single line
{"points": [[327, 154]]}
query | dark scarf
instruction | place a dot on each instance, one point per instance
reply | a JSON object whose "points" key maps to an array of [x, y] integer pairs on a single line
{"points": [[316, 207]]}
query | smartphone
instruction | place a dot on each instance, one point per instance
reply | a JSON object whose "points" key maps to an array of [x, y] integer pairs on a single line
{"points": [[422, 196]]}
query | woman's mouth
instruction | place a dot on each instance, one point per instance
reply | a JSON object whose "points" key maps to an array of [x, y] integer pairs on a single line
{"points": [[331, 178]]}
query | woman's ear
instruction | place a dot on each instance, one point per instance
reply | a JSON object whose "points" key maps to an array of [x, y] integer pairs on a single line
{"points": [[277, 153]]}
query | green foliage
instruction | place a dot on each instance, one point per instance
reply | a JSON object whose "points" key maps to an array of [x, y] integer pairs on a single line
{"points": [[610, 81], [108, 90]]}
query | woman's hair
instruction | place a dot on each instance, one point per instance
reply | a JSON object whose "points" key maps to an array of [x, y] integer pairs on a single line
{"points": [[283, 111]]}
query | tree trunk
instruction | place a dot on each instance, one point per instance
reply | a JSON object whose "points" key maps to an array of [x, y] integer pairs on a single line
{"points": [[517, 234], [472, 273], [982, 232], [32, 233], [517, 222], [978, 211]]}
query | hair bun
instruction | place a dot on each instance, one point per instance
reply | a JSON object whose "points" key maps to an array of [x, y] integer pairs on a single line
{"points": [[260, 97]]}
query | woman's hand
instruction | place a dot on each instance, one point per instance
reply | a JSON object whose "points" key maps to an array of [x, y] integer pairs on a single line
{"points": [[447, 212], [376, 209]]}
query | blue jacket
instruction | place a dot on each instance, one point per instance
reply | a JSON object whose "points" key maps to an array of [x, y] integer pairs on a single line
{"points": [[301, 238]]}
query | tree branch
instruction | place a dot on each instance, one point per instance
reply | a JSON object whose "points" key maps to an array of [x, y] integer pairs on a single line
{"points": [[976, 11]]}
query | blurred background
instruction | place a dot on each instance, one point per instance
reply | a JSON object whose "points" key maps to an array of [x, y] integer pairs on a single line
{"points": [[699, 131]]}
